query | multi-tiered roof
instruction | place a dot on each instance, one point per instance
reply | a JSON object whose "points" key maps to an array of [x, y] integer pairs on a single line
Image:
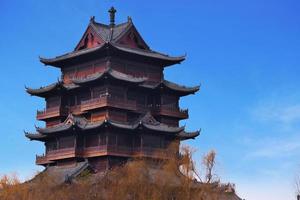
{"points": [[112, 102]]}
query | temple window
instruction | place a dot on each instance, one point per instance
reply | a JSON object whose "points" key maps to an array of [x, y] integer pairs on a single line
{"points": [[52, 102], [66, 142], [91, 140], [51, 145]]}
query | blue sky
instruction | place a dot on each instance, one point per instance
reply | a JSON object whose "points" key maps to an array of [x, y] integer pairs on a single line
{"points": [[244, 53]]}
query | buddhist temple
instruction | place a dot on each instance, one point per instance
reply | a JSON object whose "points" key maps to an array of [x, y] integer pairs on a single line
{"points": [[111, 104]]}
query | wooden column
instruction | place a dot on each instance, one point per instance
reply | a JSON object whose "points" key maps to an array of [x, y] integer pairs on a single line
{"points": [[75, 140], [117, 139], [57, 143], [92, 93], [106, 137], [98, 139], [142, 143]]}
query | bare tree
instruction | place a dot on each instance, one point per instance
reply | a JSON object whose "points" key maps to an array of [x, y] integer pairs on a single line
{"points": [[137, 180], [297, 185], [209, 162]]}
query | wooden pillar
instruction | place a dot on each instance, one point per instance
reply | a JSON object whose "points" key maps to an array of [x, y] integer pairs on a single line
{"points": [[75, 141], [116, 139], [98, 139], [91, 93], [59, 101], [84, 142], [57, 143], [75, 99], [106, 137], [142, 143]]}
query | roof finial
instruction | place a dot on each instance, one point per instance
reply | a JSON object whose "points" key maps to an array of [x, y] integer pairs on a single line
{"points": [[112, 11], [129, 19], [92, 19]]}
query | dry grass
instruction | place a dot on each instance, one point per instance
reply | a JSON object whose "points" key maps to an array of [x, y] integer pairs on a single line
{"points": [[137, 180]]}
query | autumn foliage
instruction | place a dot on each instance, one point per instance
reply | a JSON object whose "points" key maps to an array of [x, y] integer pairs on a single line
{"points": [[136, 180]]}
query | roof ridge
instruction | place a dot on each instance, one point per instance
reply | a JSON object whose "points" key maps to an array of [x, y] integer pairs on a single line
{"points": [[108, 26], [100, 24], [173, 83], [129, 25], [144, 50], [71, 53]]}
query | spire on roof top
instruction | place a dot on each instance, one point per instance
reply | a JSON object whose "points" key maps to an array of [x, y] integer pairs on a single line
{"points": [[129, 19], [92, 19], [112, 11]]}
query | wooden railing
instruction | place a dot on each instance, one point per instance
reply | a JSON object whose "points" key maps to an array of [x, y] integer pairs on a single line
{"points": [[124, 151], [50, 112], [61, 153], [171, 110], [75, 109], [40, 160], [107, 101], [101, 150]]}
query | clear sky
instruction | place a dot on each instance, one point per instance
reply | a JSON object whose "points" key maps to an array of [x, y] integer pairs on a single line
{"points": [[244, 53]]}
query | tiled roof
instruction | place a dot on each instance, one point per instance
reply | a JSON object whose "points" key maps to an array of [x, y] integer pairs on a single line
{"points": [[44, 91], [188, 135], [108, 33], [111, 73], [111, 48], [79, 123], [183, 90]]}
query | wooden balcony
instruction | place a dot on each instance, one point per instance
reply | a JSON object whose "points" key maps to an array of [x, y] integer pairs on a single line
{"points": [[103, 150], [107, 101], [53, 155], [125, 151], [42, 160], [50, 112], [171, 111], [152, 152], [93, 151], [75, 109], [61, 153]]}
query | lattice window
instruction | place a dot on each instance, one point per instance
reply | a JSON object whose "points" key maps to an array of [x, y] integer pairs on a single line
{"points": [[151, 141], [91, 140], [66, 142], [51, 145], [53, 102]]}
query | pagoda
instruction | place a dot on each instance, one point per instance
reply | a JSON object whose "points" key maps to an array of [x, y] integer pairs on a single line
{"points": [[111, 104]]}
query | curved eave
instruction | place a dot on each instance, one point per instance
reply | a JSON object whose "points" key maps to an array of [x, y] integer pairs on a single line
{"points": [[111, 49], [59, 61], [188, 135], [166, 60], [124, 77], [112, 74], [35, 136], [43, 91], [157, 128], [123, 126], [69, 127], [163, 128], [50, 89], [90, 126], [179, 89], [55, 129], [183, 90]]}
